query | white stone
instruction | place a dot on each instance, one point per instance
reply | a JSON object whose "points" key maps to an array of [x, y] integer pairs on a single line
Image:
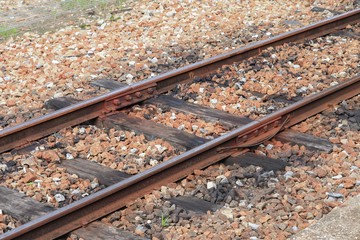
{"points": [[334, 195], [82, 130], [239, 183], [242, 203], [211, 185], [269, 146], [69, 156], [76, 191], [154, 60], [354, 168], [124, 148], [94, 184], [129, 76], [222, 179], [3, 167], [345, 153], [203, 131], [253, 226], [173, 116], [298, 208], [295, 228], [38, 182], [337, 176], [59, 197], [342, 74], [181, 127], [102, 27], [134, 150], [228, 213], [153, 162], [213, 101], [288, 174], [194, 127], [50, 85], [160, 148], [171, 13]]}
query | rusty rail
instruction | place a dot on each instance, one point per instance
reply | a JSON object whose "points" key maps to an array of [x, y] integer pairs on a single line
{"points": [[118, 195], [24, 133]]}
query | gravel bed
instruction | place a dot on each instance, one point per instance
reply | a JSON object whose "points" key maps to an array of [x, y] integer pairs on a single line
{"points": [[292, 71], [37, 174], [257, 204], [186, 122], [7, 223], [137, 44], [335, 125], [121, 150], [50, 184]]}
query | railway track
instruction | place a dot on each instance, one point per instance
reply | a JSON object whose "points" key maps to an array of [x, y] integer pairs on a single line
{"points": [[198, 152]]}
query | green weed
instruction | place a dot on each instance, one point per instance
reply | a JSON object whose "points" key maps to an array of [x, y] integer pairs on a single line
{"points": [[6, 32], [164, 221], [83, 4]]}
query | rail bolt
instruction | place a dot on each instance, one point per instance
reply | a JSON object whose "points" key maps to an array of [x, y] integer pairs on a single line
{"points": [[116, 102], [128, 98], [277, 123], [138, 94], [150, 90]]}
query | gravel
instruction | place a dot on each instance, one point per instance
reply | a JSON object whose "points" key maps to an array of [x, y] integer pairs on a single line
{"points": [[37, 174], [257, 204], [187, 122], [265, 79], [137, 45], [141, 44]]}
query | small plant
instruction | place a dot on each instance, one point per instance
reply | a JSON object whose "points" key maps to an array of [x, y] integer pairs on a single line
{"points": [[84, 26], [83, 4], [6, 32], [74, 4], [113, 18], [164, 221], [30, 183]]}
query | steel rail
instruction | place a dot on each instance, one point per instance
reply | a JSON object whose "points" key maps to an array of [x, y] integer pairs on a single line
{"points": [[99, 204], [36, 128]]}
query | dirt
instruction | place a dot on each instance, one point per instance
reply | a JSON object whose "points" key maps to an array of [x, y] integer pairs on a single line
{"points": [[20, 16]]}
